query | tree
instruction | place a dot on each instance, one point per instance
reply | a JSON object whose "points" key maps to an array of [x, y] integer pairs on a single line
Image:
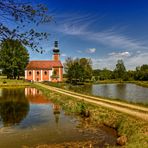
{"points": [[141, 73], [105, 74], [78, 70], [87, 65], [120, 70], [22, 14], [13, 58]]}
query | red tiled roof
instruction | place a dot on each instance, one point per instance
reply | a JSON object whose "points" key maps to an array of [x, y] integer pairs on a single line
{"points": [[43, 64]]}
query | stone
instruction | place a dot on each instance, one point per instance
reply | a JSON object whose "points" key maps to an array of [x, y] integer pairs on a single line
{"points": [[122, 140]]}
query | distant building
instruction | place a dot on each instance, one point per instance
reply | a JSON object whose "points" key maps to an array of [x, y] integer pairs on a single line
{"points": [[41, 70]]}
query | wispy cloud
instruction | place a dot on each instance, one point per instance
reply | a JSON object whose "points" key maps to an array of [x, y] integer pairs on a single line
{"points": [[132, 50], [79, 51], [120, 54], [91, 50], [63, 55], [108, 37]]}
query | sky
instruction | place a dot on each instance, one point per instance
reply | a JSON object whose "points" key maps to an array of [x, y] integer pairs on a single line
{"points": [[103, 30]]}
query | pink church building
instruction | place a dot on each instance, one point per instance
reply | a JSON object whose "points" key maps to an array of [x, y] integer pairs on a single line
{"points": [[44, 70]]}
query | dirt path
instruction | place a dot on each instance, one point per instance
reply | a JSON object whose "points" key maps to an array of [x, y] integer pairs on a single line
{"points": [[133, 110]]}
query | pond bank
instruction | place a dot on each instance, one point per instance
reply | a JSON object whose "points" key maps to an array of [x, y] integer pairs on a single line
{"points": [[122, 92], [134, 129], [13, 83], [140, 83]]}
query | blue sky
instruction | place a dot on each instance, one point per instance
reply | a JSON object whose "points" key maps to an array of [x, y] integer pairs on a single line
{"points": [[103, 30]]}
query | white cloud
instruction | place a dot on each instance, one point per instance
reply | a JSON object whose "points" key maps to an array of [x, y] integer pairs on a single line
{"points": [[91, 50], [63, 55], [79, 51], [131, 62], [120, 54]]}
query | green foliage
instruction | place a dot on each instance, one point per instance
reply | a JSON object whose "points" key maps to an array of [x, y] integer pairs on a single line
{"points": [[13, 58], [78, 70], [22, 14], [105, 74], [120, 73], [120, 70], [141, 73]]}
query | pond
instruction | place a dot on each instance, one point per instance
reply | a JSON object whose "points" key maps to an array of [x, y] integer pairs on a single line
{"points": [[28, 118], [129, 92]]}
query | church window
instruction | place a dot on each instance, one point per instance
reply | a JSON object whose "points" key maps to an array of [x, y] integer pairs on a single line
{"points": [[38, 73], [45, 72], [29, 72]]}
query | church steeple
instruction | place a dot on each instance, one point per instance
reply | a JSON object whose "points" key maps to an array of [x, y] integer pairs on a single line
{"points": [[56, 52]]}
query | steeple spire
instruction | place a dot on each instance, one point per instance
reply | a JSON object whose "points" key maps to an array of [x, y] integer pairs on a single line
{"points": [[56, 52], [56, 48]]}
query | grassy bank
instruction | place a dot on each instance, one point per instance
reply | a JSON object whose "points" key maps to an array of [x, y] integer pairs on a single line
{"points": [[140, 83], [135, 130], [4, 82], [87, 86]]}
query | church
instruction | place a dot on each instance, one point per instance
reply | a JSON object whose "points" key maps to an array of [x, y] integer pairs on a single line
{"points": [[46, 70]]}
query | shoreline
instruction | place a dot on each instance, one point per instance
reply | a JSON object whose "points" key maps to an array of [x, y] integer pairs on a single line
{"points": [[133, 128]]}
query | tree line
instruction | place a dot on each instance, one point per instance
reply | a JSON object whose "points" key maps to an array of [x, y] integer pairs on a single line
{"points": [[80, 70]]}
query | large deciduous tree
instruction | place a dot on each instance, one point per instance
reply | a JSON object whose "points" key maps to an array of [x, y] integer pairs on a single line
{"points": [[13, 58], [120, 70], [78, 70], [141, 73], [18, 20]]}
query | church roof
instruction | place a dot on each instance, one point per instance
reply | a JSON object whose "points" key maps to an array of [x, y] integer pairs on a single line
{"points": [[33, 65]]}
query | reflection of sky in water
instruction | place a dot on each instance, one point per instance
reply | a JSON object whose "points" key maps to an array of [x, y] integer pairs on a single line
{"points": [[38, 114], [129, 92]]}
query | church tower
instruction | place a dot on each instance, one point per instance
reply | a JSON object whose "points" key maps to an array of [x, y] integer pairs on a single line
{"points": [[56, 52]]}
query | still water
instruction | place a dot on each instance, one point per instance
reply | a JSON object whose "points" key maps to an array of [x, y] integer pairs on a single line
{"points": [[28, 118], [129, 92]]}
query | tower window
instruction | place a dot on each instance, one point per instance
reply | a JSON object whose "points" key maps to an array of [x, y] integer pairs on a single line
{"points": [[45, 72], [37, 73]]}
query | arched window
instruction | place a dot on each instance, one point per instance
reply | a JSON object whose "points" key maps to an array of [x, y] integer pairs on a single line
{"points": [[37, 73], [30, 72], [45, 72]]}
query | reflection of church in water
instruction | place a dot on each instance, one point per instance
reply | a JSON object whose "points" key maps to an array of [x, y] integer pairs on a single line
{"points": [[35, 96]]}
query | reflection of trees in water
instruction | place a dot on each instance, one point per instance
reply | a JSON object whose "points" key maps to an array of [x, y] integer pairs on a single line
{"points": [[120, 91], [14, 106]]}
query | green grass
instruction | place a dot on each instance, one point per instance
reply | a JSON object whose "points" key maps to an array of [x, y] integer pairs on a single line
{"points": [[4, 82], [71, 87], [136, 130], [140, 83]]}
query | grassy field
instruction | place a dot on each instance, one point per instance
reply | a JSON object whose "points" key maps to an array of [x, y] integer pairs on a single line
{"points": [[4, 82], [136, 130]]}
